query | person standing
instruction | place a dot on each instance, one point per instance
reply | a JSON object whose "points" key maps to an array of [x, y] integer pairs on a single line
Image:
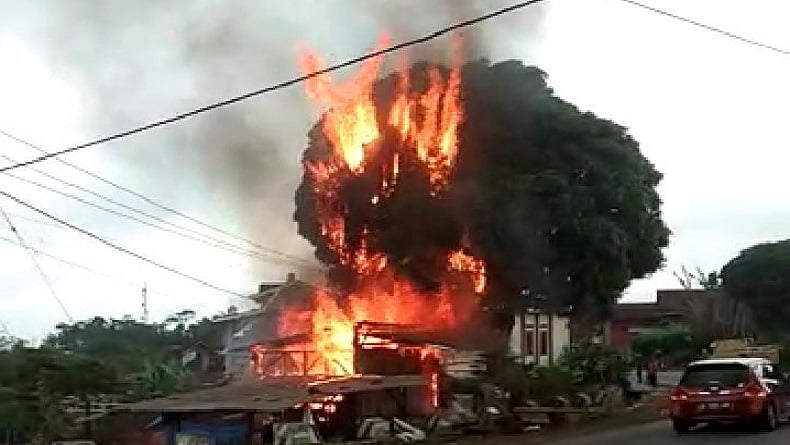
{"points": [[652, 371], [639, 363]]}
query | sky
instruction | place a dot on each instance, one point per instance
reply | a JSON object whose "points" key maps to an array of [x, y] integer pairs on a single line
{"points": [[707, 110]]}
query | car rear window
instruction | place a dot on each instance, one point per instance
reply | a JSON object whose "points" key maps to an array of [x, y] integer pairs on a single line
{"points": [[725, 374]]}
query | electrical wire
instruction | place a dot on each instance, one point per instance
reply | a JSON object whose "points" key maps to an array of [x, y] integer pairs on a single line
{"points": [[112, 201], [74, 264], [17, 217], [120, 248], [227, 247], [708, 27], [278, 86], [139, 195], [41, 272]]}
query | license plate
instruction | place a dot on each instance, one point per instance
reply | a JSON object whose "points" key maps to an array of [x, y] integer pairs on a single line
{"points": [[714, 406]]}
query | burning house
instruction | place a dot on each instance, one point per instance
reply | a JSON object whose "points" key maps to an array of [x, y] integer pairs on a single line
{"points": [[406, 294], [380, 156], [384, 317]]}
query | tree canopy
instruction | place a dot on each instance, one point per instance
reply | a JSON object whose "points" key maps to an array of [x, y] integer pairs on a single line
{"points": [[129, 345], [33, 383], [557, 201], [125, 358], [759, 277]]}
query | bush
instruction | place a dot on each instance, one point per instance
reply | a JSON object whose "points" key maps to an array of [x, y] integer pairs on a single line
{"points": [[546, 383], [676, 345], [529, 382], [593, 364]]}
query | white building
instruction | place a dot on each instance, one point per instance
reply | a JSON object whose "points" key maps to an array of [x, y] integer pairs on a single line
{"points": [[242, 330], [539, 337]]}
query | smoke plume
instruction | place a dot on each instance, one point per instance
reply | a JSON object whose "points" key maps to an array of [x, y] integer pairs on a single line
{"points": [[139, 61]]}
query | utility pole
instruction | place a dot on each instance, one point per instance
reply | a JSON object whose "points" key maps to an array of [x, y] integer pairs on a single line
{"points": [[145, 304]]}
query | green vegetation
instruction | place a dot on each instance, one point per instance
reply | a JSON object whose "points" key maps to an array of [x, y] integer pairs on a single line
{"points": [[674, 344], [582, 368], [124, 359], [594, 364], [554, 199], [759, 277]]}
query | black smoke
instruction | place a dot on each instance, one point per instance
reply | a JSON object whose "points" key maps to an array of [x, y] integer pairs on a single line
{"points": [[559, 203], [135, 62]]}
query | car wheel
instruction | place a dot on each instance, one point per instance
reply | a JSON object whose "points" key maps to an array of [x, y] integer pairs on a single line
{"points": [[680, 427], [769, 421]]}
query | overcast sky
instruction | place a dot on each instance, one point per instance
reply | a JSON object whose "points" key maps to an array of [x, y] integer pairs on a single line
{"points": [[708, 111]]}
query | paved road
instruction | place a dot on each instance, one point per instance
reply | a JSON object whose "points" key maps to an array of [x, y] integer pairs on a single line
{"points": [[660, 433], [665, 378]]}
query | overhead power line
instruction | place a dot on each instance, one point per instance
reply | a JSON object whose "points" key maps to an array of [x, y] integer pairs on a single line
{"points": [[120, 248], [278, 86], [40, 270], [105, 198], [709, 27], [77, 265], [219, 244], [141, 196], [42, 222]]}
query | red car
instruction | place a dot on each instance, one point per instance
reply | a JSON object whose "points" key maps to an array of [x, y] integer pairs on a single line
{"points": [[741, 390]]}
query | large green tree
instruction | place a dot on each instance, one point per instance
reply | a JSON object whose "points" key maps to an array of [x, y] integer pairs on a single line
{"points": [[85, 359], [760, 277], [34, 383], [131, 346], [560, 203]]}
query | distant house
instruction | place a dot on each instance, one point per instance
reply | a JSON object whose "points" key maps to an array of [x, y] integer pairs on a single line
{"points": [[709, 311], [201, 359], [242, 330], [539, 336]]}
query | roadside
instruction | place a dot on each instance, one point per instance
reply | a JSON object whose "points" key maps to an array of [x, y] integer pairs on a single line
{"points": [[653, 408]]}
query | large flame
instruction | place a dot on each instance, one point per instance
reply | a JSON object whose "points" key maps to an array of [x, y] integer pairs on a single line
{"points": [[425, 122]]}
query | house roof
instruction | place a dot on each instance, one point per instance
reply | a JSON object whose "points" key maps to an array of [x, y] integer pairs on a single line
{"points": [[259, 329], [237, 316], [261, 324], [270, 395], [642, 311], [363, 383], [252, 395], [473, 335]]}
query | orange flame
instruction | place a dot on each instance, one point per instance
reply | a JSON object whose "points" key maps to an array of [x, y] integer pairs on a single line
{"points": [[332, 326], [426, 123], [350, 120], [462, 262]]}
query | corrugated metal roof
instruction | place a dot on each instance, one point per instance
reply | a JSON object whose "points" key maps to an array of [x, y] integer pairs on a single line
{"points": [[268, 395], [362, 383], [250, 395]]}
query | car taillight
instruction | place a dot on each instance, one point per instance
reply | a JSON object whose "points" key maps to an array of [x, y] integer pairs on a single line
{"points": [[678, 394], [754, 390]]}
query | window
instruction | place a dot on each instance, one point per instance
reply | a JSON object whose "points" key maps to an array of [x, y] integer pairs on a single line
{"points": [[529, 343], [544, 343], [728, 375]]}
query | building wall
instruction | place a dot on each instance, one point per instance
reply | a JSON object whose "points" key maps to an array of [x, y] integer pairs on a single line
{"points": [[620, 335], [707, 311], [539, 338], [236, 362]]}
